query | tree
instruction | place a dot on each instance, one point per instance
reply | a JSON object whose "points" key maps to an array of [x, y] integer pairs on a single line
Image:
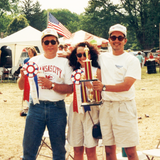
{"points": [[141, 17], [99, 16], [34, 15], [8, 6], [17, 24], [8, 9]]}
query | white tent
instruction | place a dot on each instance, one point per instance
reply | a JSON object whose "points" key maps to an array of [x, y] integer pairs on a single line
{"points": [[81, 36], [26, 37]]}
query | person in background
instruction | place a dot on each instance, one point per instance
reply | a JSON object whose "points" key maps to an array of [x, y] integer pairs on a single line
{"points": [[151, 55], [31, 53], [140, 57], [80, 124], [67, 50], [66, 47], [50, 112], [118, 114], [60, 47]]}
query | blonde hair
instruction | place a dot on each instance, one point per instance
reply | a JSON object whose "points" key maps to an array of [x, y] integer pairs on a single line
{"points": [[32, 48]]}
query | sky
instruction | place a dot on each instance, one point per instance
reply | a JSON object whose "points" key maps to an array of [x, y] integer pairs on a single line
{"points": [[76, 6]]}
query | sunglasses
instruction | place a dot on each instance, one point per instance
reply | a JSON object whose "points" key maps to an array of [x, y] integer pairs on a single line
{"points": [[120, 38], [79, 55], [53, 42]]}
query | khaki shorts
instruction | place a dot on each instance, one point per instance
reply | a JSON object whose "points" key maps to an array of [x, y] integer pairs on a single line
{"points": [[80, 128], [119, 124]]}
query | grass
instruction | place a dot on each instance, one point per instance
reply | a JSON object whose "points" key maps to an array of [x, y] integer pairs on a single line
{"points": [[145, 75]]}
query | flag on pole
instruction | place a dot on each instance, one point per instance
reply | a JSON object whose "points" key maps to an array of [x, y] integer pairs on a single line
{"points": [[55, 24]]}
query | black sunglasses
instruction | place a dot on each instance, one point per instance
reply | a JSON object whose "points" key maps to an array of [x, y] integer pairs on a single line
{"points": [[120, 38], [53, 42], [80, 55]]}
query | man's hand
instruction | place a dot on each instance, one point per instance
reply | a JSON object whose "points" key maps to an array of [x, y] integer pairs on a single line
{"points": [[44, 82], [97, 85]]}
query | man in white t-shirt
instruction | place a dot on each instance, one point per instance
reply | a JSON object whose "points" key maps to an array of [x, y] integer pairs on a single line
{"points": [[53, 84], [118, 115]]}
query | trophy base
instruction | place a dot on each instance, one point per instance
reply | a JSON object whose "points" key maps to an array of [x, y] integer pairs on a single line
{"points": [[91, 103]]}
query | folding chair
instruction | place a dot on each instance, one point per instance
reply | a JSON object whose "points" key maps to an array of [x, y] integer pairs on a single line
{"points": [[44, 143], [150, 154]]}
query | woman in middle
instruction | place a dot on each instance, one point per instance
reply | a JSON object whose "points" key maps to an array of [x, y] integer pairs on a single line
{"points": [[80, 124]]}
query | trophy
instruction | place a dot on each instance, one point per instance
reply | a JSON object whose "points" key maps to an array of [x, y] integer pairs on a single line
{"points": [[89, 96]]}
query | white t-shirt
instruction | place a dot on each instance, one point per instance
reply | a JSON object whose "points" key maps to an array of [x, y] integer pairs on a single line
{"points": [[113, 71], [56, 70]]}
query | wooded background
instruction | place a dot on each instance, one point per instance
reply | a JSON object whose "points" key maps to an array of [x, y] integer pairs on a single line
{"points": [[141, 17]]}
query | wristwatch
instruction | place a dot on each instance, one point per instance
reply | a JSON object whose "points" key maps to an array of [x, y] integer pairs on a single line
{"points": [[52, 86], [103, 88]]}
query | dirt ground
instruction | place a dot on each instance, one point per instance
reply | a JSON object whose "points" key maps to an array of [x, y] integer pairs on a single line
{"points": [[12, 124]]}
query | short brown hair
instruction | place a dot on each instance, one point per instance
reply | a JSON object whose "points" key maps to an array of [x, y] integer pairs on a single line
{"points": [[33, 50]]}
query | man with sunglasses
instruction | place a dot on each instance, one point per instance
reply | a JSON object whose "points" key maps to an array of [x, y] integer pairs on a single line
{"points": [[118, 115], [53, 84]]}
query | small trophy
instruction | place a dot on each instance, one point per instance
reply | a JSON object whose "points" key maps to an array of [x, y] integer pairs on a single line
{"points": [[89, 96]]}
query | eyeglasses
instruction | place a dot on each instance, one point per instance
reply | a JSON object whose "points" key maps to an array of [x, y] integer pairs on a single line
{"points": [[53, 42], [120, 38], [79, 55]]}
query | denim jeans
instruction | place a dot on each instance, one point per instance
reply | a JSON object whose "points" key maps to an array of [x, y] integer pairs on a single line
{"points": [[50, 114]]}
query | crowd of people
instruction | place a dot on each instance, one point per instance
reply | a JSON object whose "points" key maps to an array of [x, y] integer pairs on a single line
{"points": [[116, 71]]}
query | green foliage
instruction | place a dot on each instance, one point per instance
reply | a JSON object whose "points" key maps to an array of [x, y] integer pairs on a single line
{"points": [[17, 24], [4, 22], [34, 15], [8, 6], [141, 17], [4, 6], [101, 14]]}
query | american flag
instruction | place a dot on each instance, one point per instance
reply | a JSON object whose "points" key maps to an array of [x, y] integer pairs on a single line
{"points": [[55, 24]]}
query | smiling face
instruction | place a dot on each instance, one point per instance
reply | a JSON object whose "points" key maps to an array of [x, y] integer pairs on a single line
{"points": [[117, 46], [80, 50], [50, 50]]}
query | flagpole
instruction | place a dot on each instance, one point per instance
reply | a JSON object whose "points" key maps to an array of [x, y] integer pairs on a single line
{"points": [[47, 18]]}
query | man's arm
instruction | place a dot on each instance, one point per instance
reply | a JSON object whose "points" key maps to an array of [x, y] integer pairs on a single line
{"points": [[121, 87], [60, 88], [21, 80]]}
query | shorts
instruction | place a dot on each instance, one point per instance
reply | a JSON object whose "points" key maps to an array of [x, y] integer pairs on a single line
{"points": [[119, 123], [80, 127]]}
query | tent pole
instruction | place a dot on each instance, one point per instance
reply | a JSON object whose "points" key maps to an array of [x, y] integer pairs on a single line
{"points": [[14, 55]]}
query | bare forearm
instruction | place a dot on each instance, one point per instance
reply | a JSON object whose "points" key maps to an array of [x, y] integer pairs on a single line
{"points": [[117, 88], [120, 87], [20, 83], [63, 88]]}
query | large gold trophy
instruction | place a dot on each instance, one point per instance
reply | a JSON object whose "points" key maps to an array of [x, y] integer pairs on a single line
{"points": [[89, 96]]}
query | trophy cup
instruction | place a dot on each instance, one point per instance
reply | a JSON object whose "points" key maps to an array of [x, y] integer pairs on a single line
{"points": [[89, 96]]}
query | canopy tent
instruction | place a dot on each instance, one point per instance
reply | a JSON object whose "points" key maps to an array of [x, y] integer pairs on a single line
{"points": [[81, 36], [26, 37]]}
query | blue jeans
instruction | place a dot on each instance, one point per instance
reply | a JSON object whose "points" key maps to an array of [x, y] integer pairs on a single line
{"points": [[50, 114]]}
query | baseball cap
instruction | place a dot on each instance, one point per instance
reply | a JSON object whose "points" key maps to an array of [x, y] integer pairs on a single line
{"points": [[49, 31], [118, 27]]}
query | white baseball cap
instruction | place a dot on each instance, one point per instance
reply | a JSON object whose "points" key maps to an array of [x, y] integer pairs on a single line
{"points": [[118, 27], [49, 31]]}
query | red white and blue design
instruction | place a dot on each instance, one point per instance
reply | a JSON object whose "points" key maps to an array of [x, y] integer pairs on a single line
{"points": [[76, 76], [31, 69], [31, 82]]}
